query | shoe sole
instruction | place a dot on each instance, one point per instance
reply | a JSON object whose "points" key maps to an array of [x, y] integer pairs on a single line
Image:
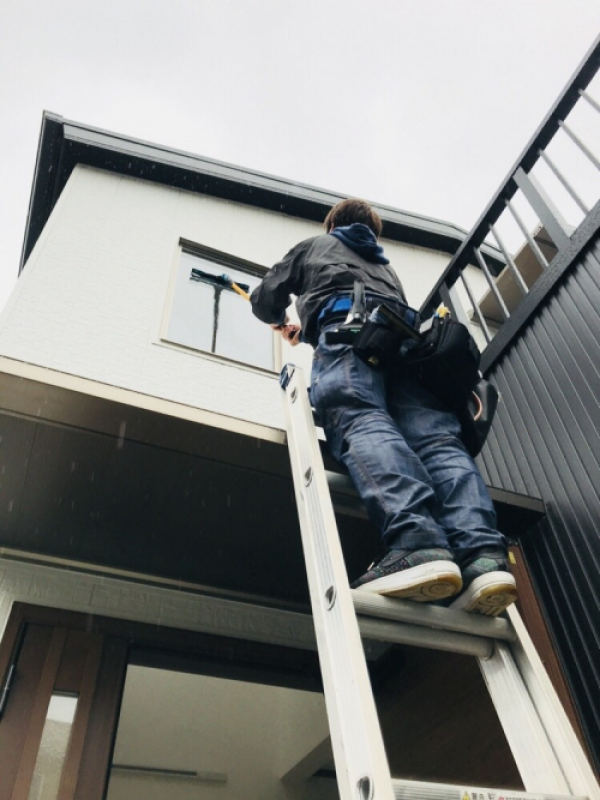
{"points": [[489, 594], [424, 583]]}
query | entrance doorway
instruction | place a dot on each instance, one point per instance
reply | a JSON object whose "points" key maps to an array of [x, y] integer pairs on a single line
{"points": [[188, 736]]}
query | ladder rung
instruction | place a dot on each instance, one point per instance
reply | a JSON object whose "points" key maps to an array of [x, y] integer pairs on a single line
{"points": [[416, 790], [344, 496], [430, 616], [418, 636], [340, 483]]}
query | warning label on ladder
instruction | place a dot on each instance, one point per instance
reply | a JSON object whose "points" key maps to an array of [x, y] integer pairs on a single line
{"points": [[482, 794]]}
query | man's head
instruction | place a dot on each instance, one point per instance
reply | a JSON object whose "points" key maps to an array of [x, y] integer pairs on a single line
{"points": [[353, 210]]}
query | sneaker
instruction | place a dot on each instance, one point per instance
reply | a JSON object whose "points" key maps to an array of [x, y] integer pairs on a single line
{"points": [[421, 575], [489, 586]]}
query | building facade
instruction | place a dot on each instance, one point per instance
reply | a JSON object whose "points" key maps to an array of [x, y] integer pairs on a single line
{"points": [[157, 638]]}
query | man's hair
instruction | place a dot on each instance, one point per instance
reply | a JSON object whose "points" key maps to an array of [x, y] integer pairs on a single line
{"points": [[353, 210]]}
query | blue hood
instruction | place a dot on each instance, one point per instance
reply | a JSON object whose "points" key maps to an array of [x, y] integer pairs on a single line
{"points": [[361, 239]]}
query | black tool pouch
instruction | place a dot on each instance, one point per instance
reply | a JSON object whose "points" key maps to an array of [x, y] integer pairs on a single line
{"points": [[345, 334], [376, 344], [477, 415], [446, 362]]}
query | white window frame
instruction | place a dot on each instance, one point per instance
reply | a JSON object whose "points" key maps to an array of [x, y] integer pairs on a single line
{"points": [[224, 261]]}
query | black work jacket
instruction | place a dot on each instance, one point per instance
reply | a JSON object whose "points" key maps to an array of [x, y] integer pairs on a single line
{"points": [[315, 270]]}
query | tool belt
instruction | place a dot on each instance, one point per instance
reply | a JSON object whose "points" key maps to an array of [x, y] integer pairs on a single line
{"points": [[376, 337], [441, 354], [341, 308], [371, 336]]}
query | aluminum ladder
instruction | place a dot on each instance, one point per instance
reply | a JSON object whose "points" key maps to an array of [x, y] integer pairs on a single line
{"points": [[547, 753]]}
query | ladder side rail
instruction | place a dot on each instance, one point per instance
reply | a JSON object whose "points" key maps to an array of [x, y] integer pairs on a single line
{"points": [[525, 732], [567, 747], [361, 763]]}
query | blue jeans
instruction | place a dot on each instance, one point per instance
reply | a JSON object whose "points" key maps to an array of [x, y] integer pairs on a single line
{"points": [[403, 451]]}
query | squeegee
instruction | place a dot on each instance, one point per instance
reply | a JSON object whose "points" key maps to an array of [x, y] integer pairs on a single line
{"points": [[221, 280]]}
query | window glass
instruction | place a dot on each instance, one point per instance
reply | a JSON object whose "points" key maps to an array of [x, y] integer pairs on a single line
{"points": [[208, 315], [199, 737], [53, 747]]}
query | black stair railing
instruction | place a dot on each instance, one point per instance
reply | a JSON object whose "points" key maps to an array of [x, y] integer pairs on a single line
{"points": [[522, 243]]}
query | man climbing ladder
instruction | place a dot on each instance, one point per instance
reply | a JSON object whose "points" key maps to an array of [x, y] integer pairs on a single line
{"points": [[400, 443]]}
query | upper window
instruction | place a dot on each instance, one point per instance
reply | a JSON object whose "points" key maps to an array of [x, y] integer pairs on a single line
{"points": [[208, 314]]}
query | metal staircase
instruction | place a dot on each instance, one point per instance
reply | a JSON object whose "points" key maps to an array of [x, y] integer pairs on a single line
{"points": [[548, 755]]}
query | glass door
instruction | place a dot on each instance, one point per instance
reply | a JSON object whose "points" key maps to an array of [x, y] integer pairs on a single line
{"points": [[184, 736]]}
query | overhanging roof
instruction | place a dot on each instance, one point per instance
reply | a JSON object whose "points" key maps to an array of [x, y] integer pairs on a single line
{"points": [[64, 143]]}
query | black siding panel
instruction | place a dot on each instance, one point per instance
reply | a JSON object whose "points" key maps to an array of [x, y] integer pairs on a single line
{"points": [[546, 443]]}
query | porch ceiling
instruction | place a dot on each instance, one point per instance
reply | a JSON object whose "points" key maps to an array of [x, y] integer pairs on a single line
{"points": [[97, 482], [91, 481]]}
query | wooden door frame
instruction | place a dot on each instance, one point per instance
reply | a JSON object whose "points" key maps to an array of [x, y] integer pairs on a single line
{"points": [[534, 620], [52, 637], [115, 644]]}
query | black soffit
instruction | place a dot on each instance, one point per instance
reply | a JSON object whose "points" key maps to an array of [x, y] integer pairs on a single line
{"points": [[63, 144]]}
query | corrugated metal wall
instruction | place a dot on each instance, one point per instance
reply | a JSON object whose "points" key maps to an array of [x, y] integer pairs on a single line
{"points": [[546, 442]]}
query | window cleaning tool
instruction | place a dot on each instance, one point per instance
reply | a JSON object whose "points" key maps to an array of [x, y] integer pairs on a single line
{"points": [[224, 281], [241, 289]]}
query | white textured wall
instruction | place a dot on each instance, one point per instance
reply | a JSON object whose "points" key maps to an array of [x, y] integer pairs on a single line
{"points": [[91, 299]]}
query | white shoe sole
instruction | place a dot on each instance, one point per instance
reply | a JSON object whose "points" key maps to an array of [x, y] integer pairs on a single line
{"points": [[489, 594], [424, 583]]}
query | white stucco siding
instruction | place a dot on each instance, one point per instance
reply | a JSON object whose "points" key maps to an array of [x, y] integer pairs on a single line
{"points": [[91, 299]]}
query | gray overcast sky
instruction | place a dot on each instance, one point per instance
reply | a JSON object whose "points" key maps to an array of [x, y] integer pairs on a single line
{"points": [[419, 104]]}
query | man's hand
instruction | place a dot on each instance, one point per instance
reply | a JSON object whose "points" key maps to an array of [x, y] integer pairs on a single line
{"points": [[291, 333], [281, 326]]}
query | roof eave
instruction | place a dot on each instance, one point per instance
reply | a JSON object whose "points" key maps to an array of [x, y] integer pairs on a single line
{"points": [[63, 144]]}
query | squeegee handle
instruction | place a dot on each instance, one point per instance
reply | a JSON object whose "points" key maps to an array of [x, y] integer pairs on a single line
{"points": [[240, 291]]}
